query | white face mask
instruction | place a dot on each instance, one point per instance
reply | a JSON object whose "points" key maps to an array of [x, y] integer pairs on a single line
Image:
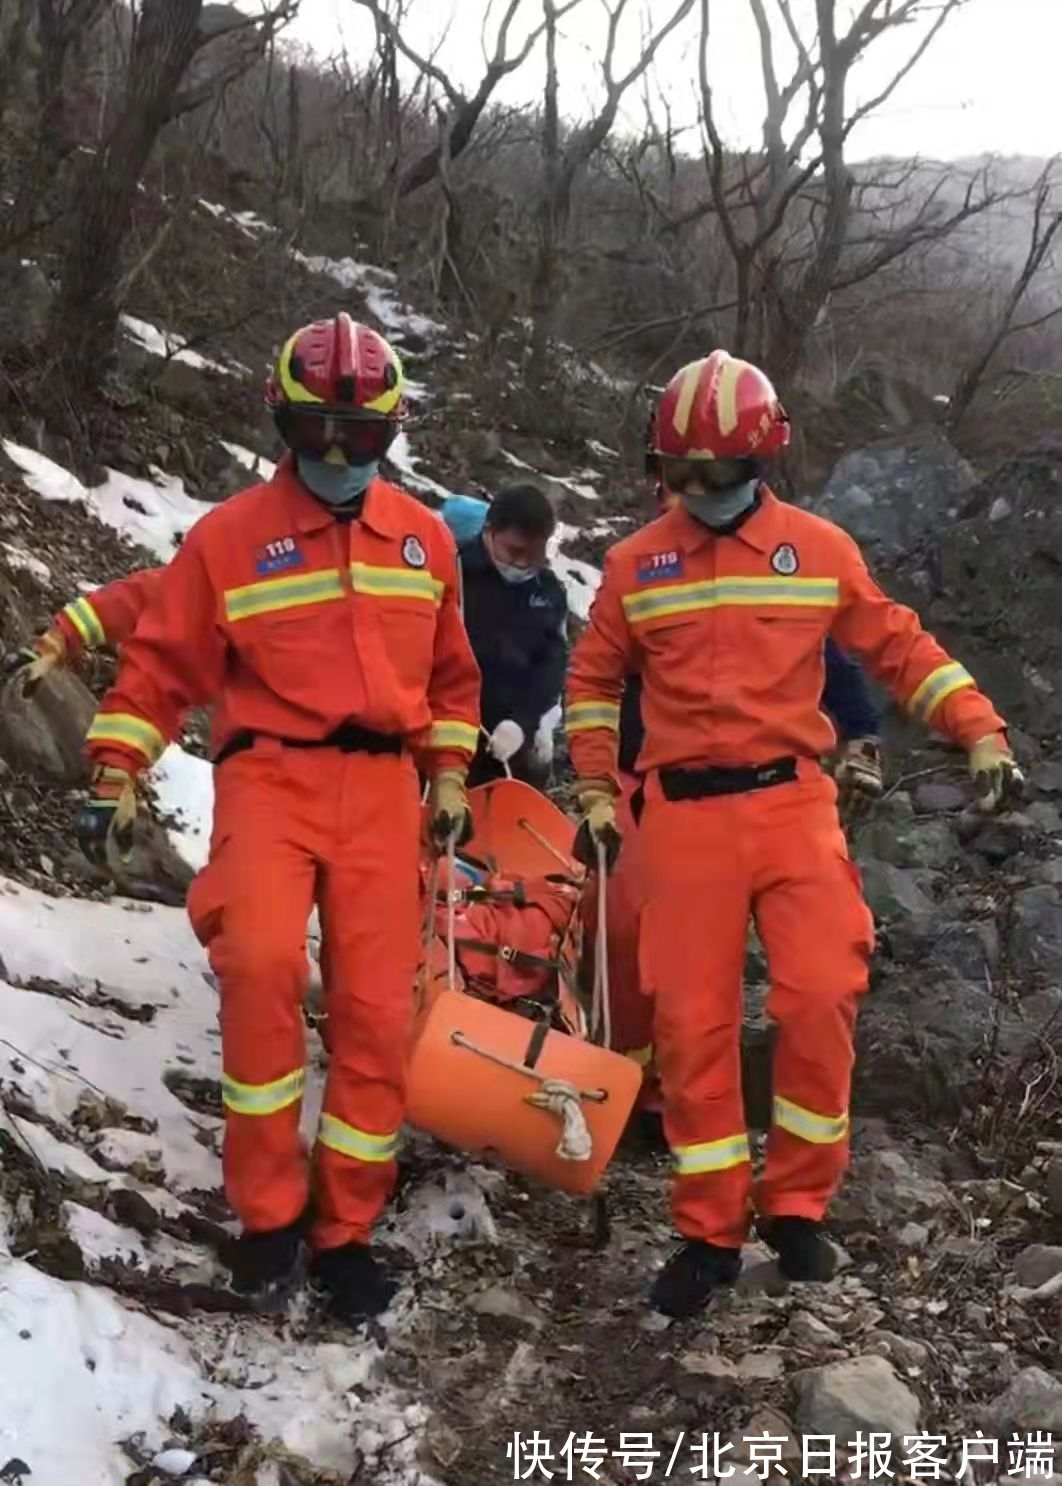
{"points": [[722, 508], [513, 574]]}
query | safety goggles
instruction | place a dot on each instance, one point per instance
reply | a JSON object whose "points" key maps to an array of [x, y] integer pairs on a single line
{"points": [[358, 439], [683, 476]]}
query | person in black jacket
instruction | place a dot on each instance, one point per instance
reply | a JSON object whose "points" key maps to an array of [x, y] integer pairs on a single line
{"points": [[516, 614]]}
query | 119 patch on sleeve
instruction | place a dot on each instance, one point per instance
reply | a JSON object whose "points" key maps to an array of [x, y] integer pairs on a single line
{"points": [[660, 565]]}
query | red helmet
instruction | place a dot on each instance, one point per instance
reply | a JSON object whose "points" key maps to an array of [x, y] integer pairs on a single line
{"points": [[720, 408], [337, 383]]}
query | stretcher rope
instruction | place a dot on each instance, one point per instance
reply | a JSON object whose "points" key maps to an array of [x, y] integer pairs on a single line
{"points": [[525, 825]]}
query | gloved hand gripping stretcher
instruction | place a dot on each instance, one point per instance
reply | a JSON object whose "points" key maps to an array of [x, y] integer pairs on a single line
{"points": [[521, 1075]]}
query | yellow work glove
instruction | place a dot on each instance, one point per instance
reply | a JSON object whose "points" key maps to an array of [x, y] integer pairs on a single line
{"points": [[448, 808], [108, 816], [33, 665], [597, 803], [998, 781], [859, 777]]}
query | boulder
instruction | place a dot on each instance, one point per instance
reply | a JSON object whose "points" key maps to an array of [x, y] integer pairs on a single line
{"points": [[913, 843], [894, 892], [1033, 1401], [1037, 1264], [45, 734], [892, 495], [884, 1190], [1036, 932], [184, 387], [935, 795], [863, 1393]]}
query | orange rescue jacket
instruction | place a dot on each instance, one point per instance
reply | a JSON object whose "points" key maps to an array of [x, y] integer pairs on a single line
{"points": [[293, 623], [108, 616], [728, 632]]}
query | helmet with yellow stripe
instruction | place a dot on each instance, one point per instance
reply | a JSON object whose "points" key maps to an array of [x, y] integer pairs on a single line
{"points": [[337, 385]]}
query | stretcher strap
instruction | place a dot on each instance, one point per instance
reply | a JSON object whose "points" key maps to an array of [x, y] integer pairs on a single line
{"points": [[601, 1007]]}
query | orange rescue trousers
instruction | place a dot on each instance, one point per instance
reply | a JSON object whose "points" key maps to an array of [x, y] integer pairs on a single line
{"points": [[293, 827], [780, 854]]}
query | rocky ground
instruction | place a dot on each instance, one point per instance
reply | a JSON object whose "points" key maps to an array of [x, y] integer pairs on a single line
{"points": [[524, 1311]]}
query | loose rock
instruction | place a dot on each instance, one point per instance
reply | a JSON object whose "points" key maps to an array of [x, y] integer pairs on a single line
{"points": [[861, 1394], [1032, 1401], [1037, 1264], [1053, 1190]]}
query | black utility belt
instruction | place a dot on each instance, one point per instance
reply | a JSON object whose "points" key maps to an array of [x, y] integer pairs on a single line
{"points": [[348, 738], [702, 784]]}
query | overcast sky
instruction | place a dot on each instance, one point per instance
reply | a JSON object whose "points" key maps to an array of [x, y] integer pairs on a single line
{"points": [[990, 82]]}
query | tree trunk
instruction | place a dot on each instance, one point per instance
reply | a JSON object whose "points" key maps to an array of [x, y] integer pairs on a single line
{"points": [[84, 320], [544, 283]]}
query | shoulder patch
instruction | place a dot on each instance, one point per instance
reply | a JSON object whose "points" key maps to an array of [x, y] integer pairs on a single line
{"points": [[784, 560], [660, 565], [413, 554], [278, 556]]}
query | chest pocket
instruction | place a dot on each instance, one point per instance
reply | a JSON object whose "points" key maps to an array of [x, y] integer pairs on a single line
{"points": [[405, 630]]}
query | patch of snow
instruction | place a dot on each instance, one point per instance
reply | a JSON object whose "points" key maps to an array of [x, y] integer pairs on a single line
{"points": [[99, 1239], [402, 457], [580, 579], [168, 343], [58, 1155], [577, 488], [371, 282], [153, 513], [185, 788], [602, 450], [249, 223], [18, 557], [256, 463]]}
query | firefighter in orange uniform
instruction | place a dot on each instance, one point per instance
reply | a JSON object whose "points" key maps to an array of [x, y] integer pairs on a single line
{"points": [[318, 613], [723, 605]]}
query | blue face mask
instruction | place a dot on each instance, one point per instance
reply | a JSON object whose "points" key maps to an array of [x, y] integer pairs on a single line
{"points": [[722, 507], [335, 484]]}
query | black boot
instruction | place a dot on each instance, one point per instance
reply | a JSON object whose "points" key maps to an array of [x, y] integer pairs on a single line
{"points": [[690, 1277], [262, 1263], [354, 1284], [803, 1252]]}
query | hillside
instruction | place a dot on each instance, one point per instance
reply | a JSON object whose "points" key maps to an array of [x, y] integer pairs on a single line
{"points": [[513, 1316], [275, 188]]}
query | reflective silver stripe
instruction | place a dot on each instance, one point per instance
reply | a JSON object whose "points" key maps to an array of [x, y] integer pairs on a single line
{"points": [[274, 594], [717, 593], [454, 734], [816, 1128], [263, 1099], [134, 732], [396, 583], [710, 1155], [86, 621], [360, 1144], [583, 716], [939, 685]]}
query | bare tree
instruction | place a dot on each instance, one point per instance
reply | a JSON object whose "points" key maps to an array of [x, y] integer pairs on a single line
{"points": [[565, 158], [462, 111], [1044, 228], [60, 25], [168, 37], [797, 221]]}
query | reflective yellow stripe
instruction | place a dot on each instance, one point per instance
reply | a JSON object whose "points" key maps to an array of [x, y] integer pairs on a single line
{"points": [[274, 594], [294, 391], [582, 716], [710, 1155], [396, 583], [263, 1099], [390, 397], [816, 1128], [86, 621], [451, 734], [721, 593], [939, 685], [122, 727], [349, 1141]]}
